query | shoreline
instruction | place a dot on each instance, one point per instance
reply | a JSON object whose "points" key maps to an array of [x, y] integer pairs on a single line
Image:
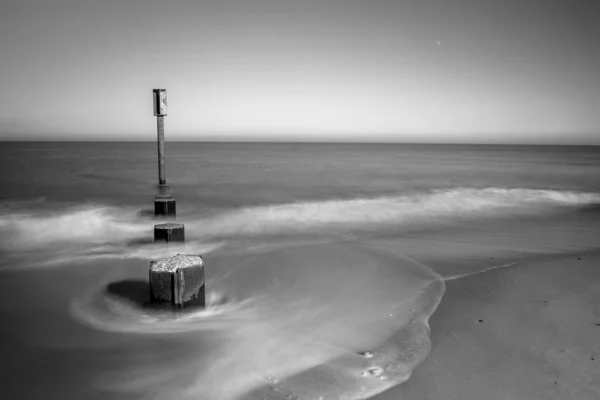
{"points": [[528, 331], [516, 350]]}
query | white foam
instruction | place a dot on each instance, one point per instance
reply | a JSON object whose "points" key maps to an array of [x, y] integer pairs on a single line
{"points": [[87, 224], [290, 323], [400, 211], [97, 225]]}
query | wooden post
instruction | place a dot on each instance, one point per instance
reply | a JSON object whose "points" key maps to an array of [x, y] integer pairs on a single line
{"points": [[169, 232], [164, 205], [178, 280]]}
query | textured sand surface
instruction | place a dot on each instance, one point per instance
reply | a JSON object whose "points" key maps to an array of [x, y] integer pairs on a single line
{"points": [[531, 331]]}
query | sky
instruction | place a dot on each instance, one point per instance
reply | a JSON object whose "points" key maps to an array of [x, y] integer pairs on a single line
{"points": [[420, 71]]}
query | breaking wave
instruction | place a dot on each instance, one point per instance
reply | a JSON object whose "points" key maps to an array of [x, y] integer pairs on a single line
{"points": [[90, 224], [421, 209], [101, 231]]}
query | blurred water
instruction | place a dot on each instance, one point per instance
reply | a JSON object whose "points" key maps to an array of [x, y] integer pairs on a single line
{"points": [[305, 301], [237, 174]]}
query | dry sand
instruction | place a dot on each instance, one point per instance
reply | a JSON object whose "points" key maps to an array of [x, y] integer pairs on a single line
{"points": [[531, 331]]}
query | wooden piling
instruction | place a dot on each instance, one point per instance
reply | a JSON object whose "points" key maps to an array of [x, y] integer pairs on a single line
{"points": [[169, 232], [178, 280], [164, 206]]}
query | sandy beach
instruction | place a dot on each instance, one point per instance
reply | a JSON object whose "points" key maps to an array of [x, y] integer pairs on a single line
{"points": [[530, 331]]}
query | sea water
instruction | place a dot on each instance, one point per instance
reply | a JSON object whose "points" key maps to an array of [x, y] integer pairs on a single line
{"points": [[317, 260]]}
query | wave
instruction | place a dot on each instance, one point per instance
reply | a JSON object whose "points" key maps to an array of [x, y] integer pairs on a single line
{"points": [[103, 225], [85, 224], [403, 211]]}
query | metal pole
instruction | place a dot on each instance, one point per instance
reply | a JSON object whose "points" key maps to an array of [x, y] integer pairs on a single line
{"points": [[161, 150], [164, 204]]}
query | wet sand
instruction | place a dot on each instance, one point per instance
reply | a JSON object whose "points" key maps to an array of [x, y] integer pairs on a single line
{"points": [[530, 331], [517, 320], [525, 331]]}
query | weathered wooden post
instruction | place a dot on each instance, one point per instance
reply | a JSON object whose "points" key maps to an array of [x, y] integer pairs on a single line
{"points": [[178, 280], [164, 204], [169, 232]]}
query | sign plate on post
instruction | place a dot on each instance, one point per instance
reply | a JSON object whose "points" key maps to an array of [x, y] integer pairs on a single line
{"points": [[160, 102]]}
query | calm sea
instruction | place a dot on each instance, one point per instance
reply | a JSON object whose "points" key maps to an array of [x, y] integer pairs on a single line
{"points": [[324, 262]]}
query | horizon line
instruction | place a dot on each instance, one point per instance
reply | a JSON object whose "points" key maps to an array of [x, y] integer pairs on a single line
{"points": [[303, 142]]}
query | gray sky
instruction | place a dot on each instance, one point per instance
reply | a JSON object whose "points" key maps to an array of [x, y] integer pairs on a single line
{"points": [[521, 71]]}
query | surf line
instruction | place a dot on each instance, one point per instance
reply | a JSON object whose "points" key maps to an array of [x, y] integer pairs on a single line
{"points": [[446, 278], [450, 278]]}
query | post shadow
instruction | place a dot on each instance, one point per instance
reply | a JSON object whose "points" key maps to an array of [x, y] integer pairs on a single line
{"points": [[133, 291], [146, 213], [140, 242]]}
